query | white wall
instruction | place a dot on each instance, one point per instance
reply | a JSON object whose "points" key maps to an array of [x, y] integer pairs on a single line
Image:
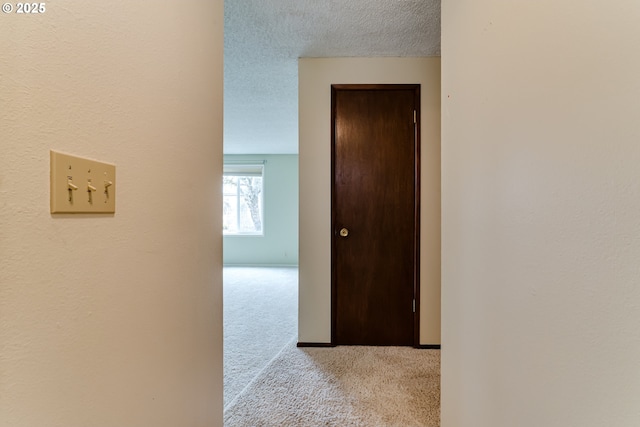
{"points": [[315, 78], [541, 213], [278, 245], [112, 320]]}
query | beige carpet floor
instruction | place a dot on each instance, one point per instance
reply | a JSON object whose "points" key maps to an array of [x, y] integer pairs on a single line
{"points": [[342, 386], [260, 318]]}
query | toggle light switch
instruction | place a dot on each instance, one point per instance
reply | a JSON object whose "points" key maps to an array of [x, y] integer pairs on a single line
{"points": [[90, 190], [69, 172], [71, 187]]}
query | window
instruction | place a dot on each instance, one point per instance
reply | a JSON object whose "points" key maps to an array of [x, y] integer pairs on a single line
{"points": [[242, 199]]}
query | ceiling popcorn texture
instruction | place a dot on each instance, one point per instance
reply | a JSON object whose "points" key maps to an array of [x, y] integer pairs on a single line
{"points": [[263, 40]]}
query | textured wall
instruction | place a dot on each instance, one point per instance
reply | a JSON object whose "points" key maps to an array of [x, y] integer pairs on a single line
{"points": [[316, 77], [541, 214], [279, 243], [112, 320]]}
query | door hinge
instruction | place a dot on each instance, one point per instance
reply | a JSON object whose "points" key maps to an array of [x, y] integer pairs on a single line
{"points": [[415, 117], [414, 305]]}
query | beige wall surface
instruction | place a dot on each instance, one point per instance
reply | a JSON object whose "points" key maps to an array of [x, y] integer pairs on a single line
{"points": [[540, 213], [112, 320], [315, 78]]}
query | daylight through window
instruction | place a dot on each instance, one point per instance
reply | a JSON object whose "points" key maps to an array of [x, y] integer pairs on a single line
{"points": [[242, 204]]}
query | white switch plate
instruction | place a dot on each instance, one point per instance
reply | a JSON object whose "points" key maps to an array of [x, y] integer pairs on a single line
{"points": [[80, 185]]}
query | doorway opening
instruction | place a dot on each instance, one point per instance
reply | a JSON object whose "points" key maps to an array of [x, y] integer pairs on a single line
{"points": [[260, 255]]}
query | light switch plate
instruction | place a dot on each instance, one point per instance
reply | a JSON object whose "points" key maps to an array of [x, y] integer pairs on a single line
{"points": [[80, 185]]}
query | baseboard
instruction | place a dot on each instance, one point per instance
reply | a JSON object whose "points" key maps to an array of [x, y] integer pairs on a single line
{"points": [[326, 344], [314, 344], [428, 346], [261, 265]]}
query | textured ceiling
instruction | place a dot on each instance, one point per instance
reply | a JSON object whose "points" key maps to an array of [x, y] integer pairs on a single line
{"points": [[265, 38]]}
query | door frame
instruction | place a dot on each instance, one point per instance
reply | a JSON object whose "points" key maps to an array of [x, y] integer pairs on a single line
{"points": [[416, 171]]}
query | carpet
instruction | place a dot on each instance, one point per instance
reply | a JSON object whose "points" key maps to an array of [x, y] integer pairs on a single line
{"points": [[260, 317], [342, 386]]}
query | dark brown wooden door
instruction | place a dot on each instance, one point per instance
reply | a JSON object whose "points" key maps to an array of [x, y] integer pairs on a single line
{"points": [[374, 214]]}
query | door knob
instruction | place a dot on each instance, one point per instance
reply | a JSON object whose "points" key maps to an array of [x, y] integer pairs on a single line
{"points": [[344, 232]]}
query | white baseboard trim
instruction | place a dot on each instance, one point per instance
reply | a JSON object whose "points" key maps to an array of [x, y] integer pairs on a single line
{"points": [[261, 265]]}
